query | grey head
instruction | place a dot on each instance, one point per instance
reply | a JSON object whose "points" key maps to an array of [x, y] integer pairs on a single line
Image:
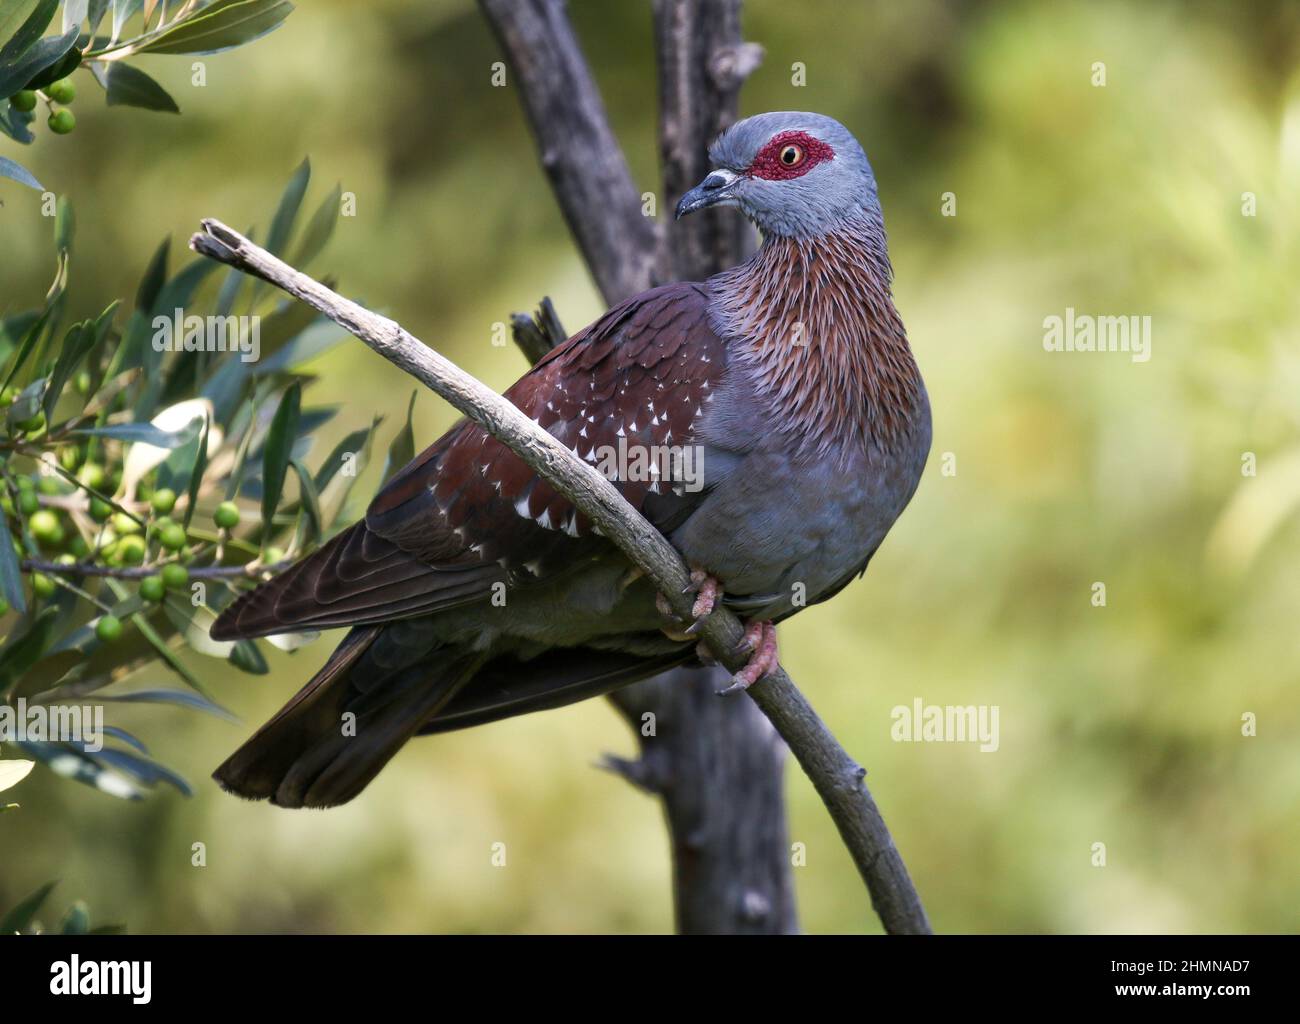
{"points": [[794, 174]]}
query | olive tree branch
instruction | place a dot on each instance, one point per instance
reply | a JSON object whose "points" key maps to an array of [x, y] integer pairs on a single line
{"points": [[251, 571]]}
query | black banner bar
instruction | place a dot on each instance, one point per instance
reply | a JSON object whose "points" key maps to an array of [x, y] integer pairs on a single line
{"points": [[1219, 974]]}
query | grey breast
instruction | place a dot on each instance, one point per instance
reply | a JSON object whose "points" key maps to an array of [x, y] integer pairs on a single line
{"points": [[782, 529]]}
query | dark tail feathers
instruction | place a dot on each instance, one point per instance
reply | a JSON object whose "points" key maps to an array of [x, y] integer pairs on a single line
{"points": [[309, 755]]}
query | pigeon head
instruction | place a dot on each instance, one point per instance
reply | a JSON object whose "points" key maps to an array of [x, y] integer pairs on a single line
{"points": [[793, 174]]}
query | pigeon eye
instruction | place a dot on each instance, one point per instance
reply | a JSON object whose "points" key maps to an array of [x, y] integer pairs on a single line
{"points": [[792, 156]]}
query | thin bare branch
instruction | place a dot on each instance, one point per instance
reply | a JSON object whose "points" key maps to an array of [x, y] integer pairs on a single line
{"points": [[837, 778], [251, 571]]}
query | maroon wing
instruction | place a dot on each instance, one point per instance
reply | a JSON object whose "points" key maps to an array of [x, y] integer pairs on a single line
{"points": [[467, 513]]}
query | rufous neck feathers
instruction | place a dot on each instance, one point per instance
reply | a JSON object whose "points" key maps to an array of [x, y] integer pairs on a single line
{"points": [[814, 321]]}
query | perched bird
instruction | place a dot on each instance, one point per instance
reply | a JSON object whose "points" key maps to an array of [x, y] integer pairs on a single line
{"points": [[475, 592]]}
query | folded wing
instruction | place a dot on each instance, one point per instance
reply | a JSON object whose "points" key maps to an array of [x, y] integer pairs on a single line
{"points": [[467, 513]]}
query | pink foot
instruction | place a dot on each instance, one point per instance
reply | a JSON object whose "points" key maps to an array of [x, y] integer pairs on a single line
{"points": [[707, 591], [707, 595], [760, 637]]}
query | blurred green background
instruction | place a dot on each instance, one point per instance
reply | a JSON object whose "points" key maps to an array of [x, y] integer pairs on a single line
{"points": [[1119, 725]]}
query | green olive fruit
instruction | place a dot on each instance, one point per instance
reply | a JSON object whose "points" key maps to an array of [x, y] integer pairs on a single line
{"points": [[62, 91], [62, 121], [226, 515], [175, 577], [151, 588], [163, 500]]}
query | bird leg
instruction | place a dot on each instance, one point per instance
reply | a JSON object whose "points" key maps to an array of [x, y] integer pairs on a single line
{"points": [[760, 638], [706, 595], [707, 592]]}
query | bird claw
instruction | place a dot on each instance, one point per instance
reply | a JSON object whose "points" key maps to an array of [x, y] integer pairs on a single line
{"points": [[707, 590], [664, 608], [707, 594], [760, 638]]}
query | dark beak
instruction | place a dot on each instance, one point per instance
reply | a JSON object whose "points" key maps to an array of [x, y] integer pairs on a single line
{"points": [[719, 185]]}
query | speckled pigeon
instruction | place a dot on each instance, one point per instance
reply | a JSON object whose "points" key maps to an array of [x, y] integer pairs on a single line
{"points": [[473, 591]]}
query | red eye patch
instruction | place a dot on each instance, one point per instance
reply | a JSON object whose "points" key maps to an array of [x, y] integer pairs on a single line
{"points": [[789, 155]]}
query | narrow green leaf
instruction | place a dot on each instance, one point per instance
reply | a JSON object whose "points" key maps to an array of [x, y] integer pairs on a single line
{"points": [[181, 697], [247, 658], [11, 579], [287, 212], [196, 474], [310, 501], [123, 10], [220, 26], [65, 760], [21, 915], [279, 450], [27, 68], [154, 276], [125, 737], [131, 87], [319, 228], [18, 173], [145, 770], [241, 454], [61, 68], [74, 13], [334, 462], [24, 34], [15, 123], [144, 432], [95, 14], [402, 450], [78, 343], [23, 651], [65, 225], [25, 349]]}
